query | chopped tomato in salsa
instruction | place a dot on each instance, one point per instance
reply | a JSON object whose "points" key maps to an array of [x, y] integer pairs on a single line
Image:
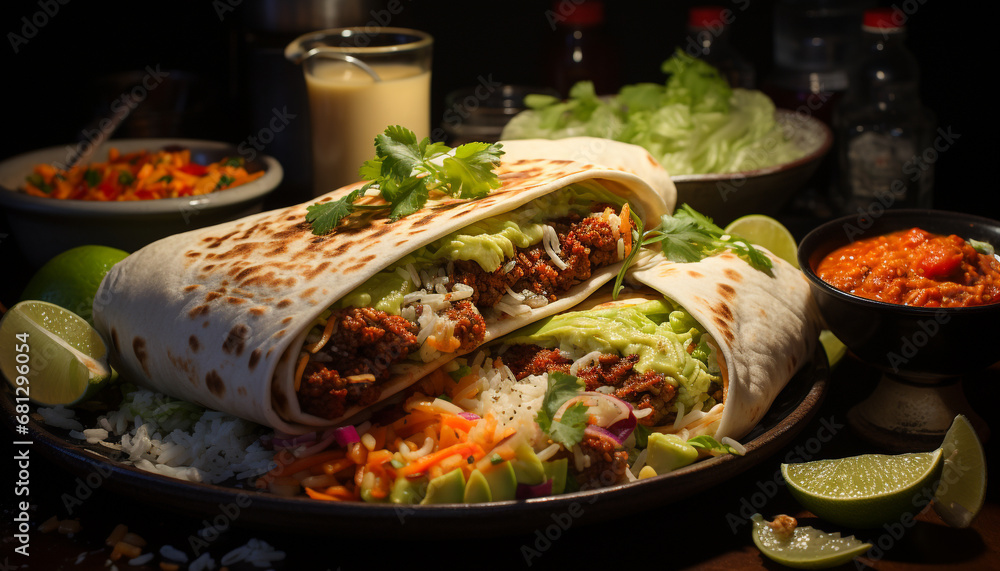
{"points": [[914, 267]]}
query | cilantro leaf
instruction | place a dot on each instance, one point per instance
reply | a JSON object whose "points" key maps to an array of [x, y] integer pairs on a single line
{"points": [[406, 171], [568, 429], [324, 216], [689, 236], [408, 198], [470, 171]]}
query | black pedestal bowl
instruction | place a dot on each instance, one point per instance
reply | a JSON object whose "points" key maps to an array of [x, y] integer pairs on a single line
{"points": [[923, 352]]}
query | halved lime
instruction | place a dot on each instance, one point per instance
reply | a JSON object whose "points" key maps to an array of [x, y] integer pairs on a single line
{"points": [[960, 495], [835, 349], [868, 490], [51, 355], [762, 230], [806, 547], [70, 279]]}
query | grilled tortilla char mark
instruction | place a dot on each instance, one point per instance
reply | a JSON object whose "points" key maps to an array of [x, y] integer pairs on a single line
{"points": [[365, 342], [641, 390]]}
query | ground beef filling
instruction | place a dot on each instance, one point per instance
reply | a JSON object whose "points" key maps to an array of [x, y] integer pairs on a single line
{"points": [[586, 244], [350, 368], [642, 390]]}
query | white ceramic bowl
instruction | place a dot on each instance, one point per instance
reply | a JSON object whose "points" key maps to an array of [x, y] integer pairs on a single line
{"points": [[44, 227], [725, 197]]}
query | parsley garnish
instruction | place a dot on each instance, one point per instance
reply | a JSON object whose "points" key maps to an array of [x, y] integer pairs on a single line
{"points": [[92, 177], [125, 178], [568, 429], [405, 172], [224, 181], [689, 236]]}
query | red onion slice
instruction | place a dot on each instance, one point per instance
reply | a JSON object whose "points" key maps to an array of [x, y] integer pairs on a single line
{"points": [[602, 434], [469, 415], [345, 435], [623, 428], [528, 491]]}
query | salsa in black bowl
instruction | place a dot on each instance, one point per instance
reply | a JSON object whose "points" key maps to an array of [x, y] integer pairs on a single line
{"points": [[917, 342]]}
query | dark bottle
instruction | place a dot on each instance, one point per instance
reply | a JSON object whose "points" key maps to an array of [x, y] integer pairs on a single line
{"points": [[580, 48], [814, 43], [708, 38], [882, 126]]}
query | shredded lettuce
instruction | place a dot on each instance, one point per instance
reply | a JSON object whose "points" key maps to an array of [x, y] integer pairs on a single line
{"points": [[693, 124]]}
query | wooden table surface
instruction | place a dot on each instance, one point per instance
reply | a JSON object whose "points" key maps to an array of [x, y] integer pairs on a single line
{"points": [[709, 530]]}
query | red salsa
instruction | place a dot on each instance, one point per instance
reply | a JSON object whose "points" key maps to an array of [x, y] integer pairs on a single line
{"points": [[914, 267]]}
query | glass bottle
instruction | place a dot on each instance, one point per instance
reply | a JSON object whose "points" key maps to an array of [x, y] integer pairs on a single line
{"points": [[881, 125], [580, 48], [708, 38]]}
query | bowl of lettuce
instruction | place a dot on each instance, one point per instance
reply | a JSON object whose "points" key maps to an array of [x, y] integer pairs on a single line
{"points": [[728, 150]]}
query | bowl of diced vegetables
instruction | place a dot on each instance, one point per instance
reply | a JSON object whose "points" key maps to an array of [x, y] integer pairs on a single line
{"points": [[129, 192], [729, 151]]}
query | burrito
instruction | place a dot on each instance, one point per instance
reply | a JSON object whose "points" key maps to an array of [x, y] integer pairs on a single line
{"points": [[692, 350], [268, 321]]}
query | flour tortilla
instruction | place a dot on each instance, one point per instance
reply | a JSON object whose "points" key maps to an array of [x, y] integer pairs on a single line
{"points": [[765, 324], [217, 316]]}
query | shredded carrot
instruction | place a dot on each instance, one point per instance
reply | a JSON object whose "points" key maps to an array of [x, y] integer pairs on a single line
{"points": [[456, 422], [377, 458], [301, 464], [337, 466], [319, 496], [449, 436], [300, 370], [423, 463], [327, 332], [140, 175]]}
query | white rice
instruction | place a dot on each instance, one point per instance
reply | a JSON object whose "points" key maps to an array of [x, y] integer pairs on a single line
{"points": [[142, 559], [213, 449], [202, 563], [172, 553], [256, 552]]}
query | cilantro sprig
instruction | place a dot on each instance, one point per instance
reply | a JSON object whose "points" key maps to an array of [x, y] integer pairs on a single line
{"points": [[568, 428], [689, 236], [406, 172]]}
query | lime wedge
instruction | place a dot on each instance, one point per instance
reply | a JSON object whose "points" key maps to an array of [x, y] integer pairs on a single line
{"points": [[71, 278], [835, 350], [960, 495], [51, 355], [806, 547], [765, 231], [865, 491]]}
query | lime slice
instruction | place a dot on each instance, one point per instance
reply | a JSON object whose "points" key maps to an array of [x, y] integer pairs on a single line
{"points": [[765, 231], [865, 491], [806, 547], [960, 495], [70, 279], [835, 350], [51, 355]]}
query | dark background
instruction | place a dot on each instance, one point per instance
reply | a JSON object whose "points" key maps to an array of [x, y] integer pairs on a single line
{"points": [[227, 74]]}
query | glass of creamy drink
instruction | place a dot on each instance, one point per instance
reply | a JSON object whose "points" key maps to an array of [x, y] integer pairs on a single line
{"points": [[360, 81]]}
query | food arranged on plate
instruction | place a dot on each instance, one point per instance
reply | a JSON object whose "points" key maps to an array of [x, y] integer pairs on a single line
{"points": [[138, 175], [917, 268], [255, 317], [440, 333]]}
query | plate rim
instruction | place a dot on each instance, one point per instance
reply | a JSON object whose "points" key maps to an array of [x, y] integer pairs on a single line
{"points": [[265, 511]]}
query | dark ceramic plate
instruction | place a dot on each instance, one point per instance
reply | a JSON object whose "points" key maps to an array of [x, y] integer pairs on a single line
{"points": [[791, 411]]}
